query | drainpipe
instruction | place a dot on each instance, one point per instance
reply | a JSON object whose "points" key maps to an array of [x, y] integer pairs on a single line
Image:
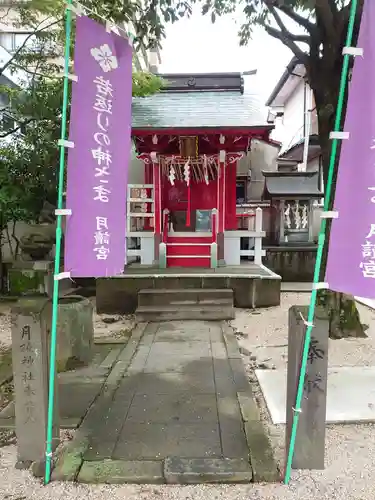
{"points": [[302, 167]]}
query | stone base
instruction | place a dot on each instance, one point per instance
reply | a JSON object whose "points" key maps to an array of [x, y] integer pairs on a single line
{"points": [[34, 278], [292, 263], [29, 278], [119, 295], [23, 464], [207, 470]]}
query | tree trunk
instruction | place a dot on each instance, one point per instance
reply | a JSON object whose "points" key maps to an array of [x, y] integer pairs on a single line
{"points": [[342, 308]]}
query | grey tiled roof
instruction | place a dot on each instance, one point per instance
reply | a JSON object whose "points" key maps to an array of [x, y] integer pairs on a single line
{"points": [[198, 109], [278, 185]]}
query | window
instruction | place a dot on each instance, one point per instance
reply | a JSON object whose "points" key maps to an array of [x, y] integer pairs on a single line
{"points": [[11, 41], [241, 191], [7, 122], [203, 220]]}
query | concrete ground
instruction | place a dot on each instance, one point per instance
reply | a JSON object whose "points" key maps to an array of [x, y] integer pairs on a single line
{"points": [[177, 408]]}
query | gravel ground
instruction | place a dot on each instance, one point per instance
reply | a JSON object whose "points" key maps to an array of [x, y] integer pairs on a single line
{"points": [[266, 335], [350, 457]]}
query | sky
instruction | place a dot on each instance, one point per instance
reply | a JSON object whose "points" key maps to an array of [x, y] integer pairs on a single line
{"points": [[196, 45]]}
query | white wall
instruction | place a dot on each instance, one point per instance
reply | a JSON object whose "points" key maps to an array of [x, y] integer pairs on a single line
{"points": [[263, 156], [136, 170], [293, 118], [289, 129]]}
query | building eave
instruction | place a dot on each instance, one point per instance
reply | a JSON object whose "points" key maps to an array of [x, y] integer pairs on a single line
{"points": [[294, 68], [229, 130]]}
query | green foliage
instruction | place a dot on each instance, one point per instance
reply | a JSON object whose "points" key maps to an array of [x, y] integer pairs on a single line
{"points": [[146, 84], [29, 161]]}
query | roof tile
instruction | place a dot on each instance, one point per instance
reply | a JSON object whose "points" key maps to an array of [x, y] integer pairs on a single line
{"points": [[198, 109]]}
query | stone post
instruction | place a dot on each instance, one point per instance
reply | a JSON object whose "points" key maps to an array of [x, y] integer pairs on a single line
{"points": [[75, 331], [258, 239], [30, 354], [310, 439], [34, 278]]}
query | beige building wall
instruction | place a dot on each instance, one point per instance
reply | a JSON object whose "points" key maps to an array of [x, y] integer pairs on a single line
{"points": [[262, 156]]}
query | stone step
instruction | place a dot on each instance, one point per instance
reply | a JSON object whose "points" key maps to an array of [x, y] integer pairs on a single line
{"points": [[165, 297], [204, 302], [181, 313]]}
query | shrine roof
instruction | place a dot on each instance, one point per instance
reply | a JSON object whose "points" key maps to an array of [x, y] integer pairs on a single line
{"points": [[288, 184], [209, 107], [295, 151]]}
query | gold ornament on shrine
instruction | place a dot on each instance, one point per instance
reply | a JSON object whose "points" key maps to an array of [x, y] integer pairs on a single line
{"points": [[189, 146]]}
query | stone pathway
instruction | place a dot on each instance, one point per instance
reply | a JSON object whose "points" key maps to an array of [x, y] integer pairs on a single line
{"points": [[77, 388], [177, 408]]}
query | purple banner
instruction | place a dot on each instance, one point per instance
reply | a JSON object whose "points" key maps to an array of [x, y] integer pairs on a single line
{"points": [[100, 128], [351, 257]]}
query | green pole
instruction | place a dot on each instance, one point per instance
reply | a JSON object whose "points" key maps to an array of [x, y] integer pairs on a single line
{"points": [[318, 262], [55, 298]]}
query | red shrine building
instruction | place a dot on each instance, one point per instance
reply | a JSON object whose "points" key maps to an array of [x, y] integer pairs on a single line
{"points": [[190, 138]]}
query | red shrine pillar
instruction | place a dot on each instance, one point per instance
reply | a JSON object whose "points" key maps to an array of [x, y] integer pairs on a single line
{"points": [[221, 183], [221, 203], [157, 201]]}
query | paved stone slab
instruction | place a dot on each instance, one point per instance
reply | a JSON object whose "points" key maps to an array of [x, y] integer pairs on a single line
{"points": [[70, 458], [111, 357], [140, 358], [195, 349], [168, 383], [232, 433], [206, 470], [84, 374], [181, 363], [74, 401], [240, 378], [149, 332], [157, 441], [218, 350], [216, 333], [262, 458], [163, 401], [121, 471], [107, 430], [179, 336], [224, 381], [173, 407], [179, 331], [359, 383]]}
